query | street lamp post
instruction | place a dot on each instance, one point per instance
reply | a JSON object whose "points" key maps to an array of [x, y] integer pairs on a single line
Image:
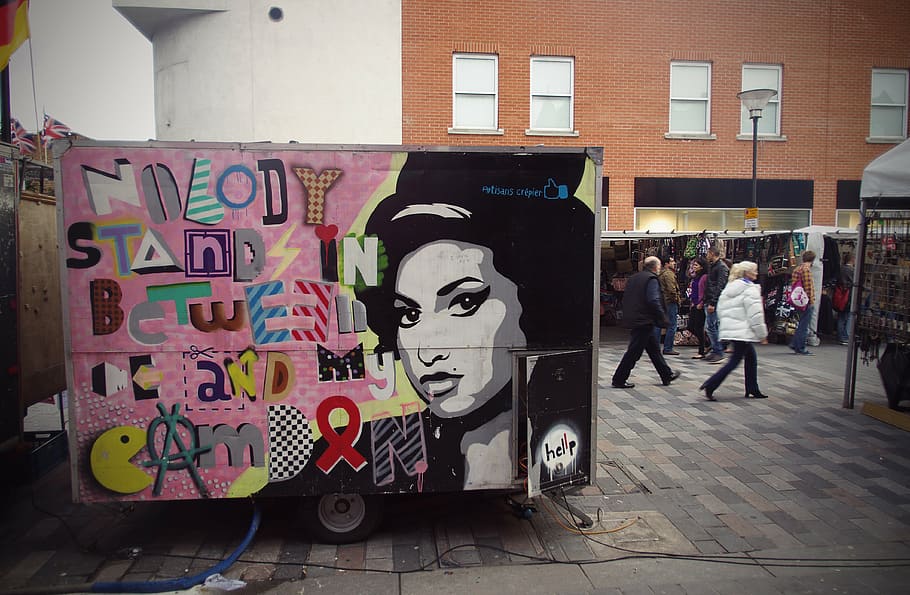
{"points": [[755, 101]]}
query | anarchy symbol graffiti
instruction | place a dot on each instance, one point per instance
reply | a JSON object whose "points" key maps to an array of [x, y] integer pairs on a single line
{"points": [[170, 459]]}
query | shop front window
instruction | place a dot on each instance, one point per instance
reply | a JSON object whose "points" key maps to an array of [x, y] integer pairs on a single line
{"points": [[664, 220], [847, 218]]}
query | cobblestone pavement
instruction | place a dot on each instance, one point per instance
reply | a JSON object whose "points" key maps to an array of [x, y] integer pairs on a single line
{"points": [[751, 484]]}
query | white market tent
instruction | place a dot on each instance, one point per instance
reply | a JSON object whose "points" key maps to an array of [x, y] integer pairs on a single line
{"points": [[885, 185], [888, 175], [839, 233]]}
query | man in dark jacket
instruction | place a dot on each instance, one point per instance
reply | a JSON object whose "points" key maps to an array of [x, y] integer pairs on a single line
{"points": [[717, 280], [643, 310]]}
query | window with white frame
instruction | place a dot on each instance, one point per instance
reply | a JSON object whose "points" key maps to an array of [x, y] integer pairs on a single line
{"points": [[888, 114], [762, 76], [552, 91], [680, 219], [690, 97], [475, 89]]}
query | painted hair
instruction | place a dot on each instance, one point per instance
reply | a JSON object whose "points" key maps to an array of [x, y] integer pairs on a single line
{"points": [[495, 201], [739, 270]]}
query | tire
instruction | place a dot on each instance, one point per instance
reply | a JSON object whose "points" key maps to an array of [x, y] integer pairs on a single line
{"points": [[342, 518]]}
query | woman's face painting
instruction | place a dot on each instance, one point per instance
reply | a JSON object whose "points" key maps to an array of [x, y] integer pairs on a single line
{"points": [[452, 307]]}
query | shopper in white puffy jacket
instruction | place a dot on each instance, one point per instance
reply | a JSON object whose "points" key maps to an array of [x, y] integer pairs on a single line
{"points": [[741, 319]]}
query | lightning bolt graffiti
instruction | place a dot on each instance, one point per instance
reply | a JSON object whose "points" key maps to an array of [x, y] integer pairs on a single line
{"points": [[287, 254]]}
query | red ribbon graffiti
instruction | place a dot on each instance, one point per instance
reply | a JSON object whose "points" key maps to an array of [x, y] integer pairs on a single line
{"points": [[341, 446]]}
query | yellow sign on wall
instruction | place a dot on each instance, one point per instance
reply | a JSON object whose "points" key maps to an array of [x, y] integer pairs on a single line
{"points": [[751, 218]]}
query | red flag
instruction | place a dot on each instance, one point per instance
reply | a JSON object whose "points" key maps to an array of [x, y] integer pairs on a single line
{"points": [[13, 28]]}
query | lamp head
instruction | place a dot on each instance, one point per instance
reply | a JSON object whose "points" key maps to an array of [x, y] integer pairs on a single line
{"points": [[755, 100]]}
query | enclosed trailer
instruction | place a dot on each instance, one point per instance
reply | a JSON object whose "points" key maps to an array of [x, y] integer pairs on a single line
{"points": [[336, 322], [31, 355]]}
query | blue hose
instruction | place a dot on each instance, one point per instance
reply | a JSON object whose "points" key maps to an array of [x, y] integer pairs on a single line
{"points": [[186, 582]]}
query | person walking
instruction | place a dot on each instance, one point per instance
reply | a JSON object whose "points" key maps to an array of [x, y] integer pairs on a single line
{"points": [[642, 311], [669, 288], [845, 316], [717, 279], [697, 284], [803, 274], [741, 314]]}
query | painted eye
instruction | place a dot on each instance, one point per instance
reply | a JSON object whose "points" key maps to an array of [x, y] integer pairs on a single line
{"points": [[467, 303], [408, 317]]}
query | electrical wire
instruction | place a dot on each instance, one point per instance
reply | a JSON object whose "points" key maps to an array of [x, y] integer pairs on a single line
{"points": [[541, 560], [188, 581], [72, 534], [572, 525], [580, 531], [748, 559]]}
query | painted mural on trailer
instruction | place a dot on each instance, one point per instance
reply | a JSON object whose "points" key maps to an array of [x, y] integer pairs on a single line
{"points": [[281, 321]]}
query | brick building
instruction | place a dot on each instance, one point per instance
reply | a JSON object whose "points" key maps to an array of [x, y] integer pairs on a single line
{"points": [[654, 82]]}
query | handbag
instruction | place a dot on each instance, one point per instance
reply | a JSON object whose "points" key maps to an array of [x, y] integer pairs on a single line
{"points": [[797, 296], [841, 298], [685, 337]]}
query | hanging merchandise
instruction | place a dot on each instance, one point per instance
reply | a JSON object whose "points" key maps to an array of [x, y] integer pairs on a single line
{"points": [[830, 262], [883, 303], [691, 247], [894, 368], [704, 244], [781, 315], [751, 250], [826, 322], [765, 251], [886, 308], [797, 247]]}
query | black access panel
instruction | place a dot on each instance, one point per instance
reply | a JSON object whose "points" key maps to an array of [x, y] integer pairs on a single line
{"points": [[556, 391]]}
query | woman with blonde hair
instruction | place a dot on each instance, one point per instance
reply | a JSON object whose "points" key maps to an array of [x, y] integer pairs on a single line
{"points": [[741, 319]]}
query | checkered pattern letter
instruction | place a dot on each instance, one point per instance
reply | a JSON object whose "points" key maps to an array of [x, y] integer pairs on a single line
{"points": [[290, 442], [316, 187]]}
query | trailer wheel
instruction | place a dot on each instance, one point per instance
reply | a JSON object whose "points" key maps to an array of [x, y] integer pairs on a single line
{"points": [[342, 518]]}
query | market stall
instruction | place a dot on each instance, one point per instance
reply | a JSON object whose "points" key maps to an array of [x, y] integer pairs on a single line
{"points": [[830, 244], [881, 296], [775, 252]]}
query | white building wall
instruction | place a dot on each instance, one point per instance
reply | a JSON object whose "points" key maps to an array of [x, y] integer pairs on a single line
{"points": [[327, 72]]}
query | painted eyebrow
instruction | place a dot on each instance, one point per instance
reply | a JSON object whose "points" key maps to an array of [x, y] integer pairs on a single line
{"points": [[450, 287], [407, 301]]}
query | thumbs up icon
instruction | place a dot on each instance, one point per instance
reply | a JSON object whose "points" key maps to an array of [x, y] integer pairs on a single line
{"points": [[555, 191]]}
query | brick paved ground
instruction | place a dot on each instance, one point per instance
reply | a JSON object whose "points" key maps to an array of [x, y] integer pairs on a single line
{"points": [[793, 476]]}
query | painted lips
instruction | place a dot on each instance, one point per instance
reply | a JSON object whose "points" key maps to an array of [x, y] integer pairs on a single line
{"points": [[439, 384]]}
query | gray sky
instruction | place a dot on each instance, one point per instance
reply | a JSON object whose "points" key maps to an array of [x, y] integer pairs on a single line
{"points": [[93, 71]]}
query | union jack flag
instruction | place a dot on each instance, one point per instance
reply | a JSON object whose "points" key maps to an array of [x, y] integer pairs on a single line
{"points": [[54, 128], [26, 142]]}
